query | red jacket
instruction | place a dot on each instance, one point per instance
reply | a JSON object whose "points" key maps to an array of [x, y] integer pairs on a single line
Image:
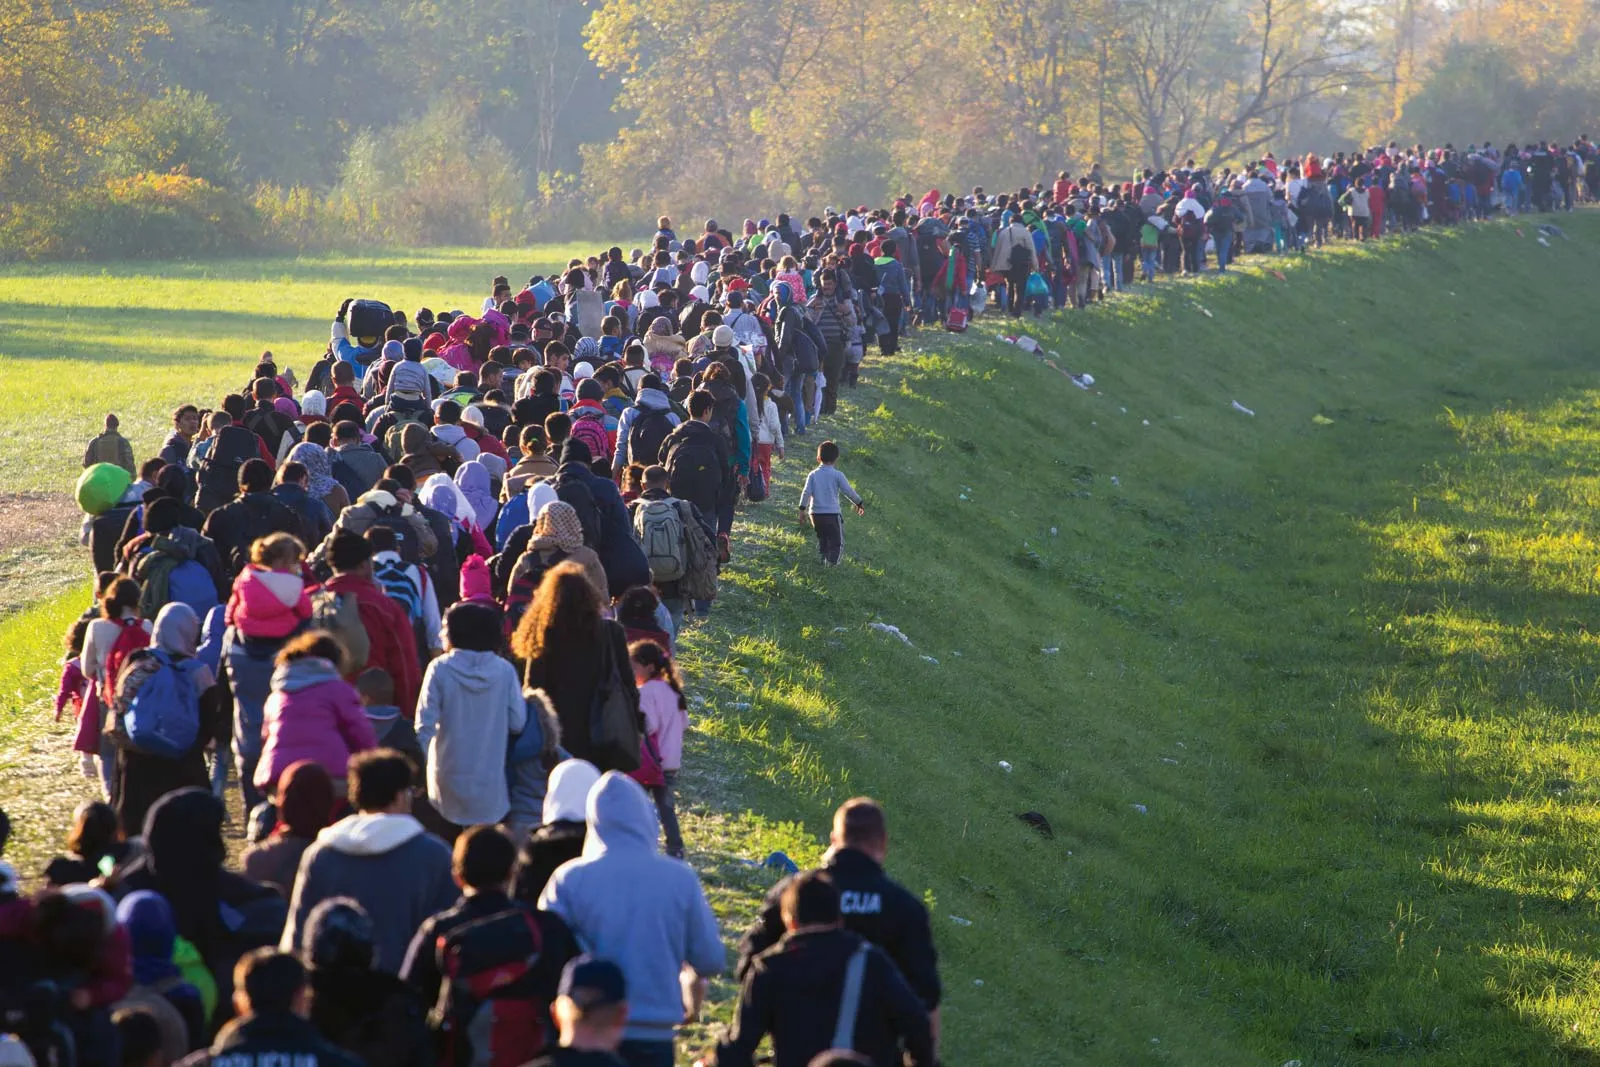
{"points": [[485, 441], [394, 644]]}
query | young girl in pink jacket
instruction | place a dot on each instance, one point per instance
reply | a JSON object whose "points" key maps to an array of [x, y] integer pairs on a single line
{"points": [[666, 716], [269, 597]]}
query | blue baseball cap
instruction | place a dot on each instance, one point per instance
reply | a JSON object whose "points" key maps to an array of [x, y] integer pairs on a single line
{"points": [[593, 983]]}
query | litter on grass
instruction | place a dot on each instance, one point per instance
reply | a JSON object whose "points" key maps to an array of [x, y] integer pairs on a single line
{"points": [[1321, 420], [1542, 241], [978, 982], [1141, 809], [1049, 651], [959, 921], [1004, 766], [931, 660], [841, 629], [892, 631], [1241, 408]]}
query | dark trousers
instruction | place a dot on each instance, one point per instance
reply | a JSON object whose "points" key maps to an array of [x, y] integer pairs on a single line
{"points": [[1016, 290], [830, 536], [894, 306]]}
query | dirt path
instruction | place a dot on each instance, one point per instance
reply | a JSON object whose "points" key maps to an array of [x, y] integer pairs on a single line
{"points": [[39, 551]]}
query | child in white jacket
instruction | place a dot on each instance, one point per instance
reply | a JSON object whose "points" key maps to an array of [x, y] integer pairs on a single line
{"points": [[768, 427]]}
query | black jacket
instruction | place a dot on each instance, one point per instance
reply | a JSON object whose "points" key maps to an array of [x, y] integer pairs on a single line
{"points": [[876, 907], [547, 847], [271, 1041], [234, 527], [421, 969], [793, 991], [269, 424], [571, 1057], [371, 1015]]}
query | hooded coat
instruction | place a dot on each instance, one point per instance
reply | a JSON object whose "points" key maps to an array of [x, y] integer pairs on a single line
{"points": [[312, 714], [305, 806], [146, 778], [471, 701], [560, 836], [628, 903], [222, 914], [398, 872]]}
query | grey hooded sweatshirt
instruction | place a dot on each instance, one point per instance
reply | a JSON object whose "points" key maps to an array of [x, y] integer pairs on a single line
{"points": [[471, 703], [393, 868], [628, 903]]}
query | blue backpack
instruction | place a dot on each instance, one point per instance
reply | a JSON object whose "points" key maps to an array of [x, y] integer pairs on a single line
{"points": [[163, 718], [190, 583]]}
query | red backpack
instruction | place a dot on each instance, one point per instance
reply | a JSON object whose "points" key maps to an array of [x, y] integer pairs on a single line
{"points": [[489, 1012], [130, 639]]}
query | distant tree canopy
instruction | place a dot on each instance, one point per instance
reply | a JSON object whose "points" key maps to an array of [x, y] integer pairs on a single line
{"points": [[426, 121]]}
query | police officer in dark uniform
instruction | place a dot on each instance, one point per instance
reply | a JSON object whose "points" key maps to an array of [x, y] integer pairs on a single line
{"points": [[874, 905]]}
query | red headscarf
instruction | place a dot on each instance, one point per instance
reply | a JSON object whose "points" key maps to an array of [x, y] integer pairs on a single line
{"points": [[305, 800]]}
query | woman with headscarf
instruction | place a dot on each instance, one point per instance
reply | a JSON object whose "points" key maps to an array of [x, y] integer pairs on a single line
{"points": [[177, 709], [305, 806], [557, 538], [560, 837], [442, 495], [323, 485], [474, 486], [158, 984]]}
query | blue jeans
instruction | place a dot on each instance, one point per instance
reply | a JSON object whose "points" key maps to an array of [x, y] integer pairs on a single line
{"points": [[1147, 263], [1110, 265], [1224, 244], [646, 1053], [250, 665]]}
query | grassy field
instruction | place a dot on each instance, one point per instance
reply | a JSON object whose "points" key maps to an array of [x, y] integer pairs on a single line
{"points": [[1304, 700]]}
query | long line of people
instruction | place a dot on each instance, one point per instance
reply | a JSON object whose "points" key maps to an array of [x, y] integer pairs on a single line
{"points": [[423, 607]]}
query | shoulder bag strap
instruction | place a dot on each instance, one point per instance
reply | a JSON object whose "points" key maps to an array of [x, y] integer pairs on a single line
{"points": [[844, 1032]]}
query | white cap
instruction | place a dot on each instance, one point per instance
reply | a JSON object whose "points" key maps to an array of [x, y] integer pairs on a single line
{"points": [[582, 371]]}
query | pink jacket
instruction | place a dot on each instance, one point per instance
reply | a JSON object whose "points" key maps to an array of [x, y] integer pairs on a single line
{"points": [[267, 603], [665, 720], [73, 685], [311, 714]]}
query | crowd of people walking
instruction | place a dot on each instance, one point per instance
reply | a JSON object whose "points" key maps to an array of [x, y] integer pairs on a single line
{"points": [[421, 608]]}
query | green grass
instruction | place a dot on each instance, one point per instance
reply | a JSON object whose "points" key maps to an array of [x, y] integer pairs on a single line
{"points": [[141, 338], [1344, 669]]}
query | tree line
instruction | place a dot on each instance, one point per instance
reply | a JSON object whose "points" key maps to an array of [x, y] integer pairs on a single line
{"points": [[149, 127]]}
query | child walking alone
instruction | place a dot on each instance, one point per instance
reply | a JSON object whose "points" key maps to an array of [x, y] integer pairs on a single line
{"points": [[666, 716], [824, 486]]}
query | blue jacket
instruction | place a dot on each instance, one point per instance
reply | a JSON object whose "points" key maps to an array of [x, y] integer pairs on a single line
{"points": [[513, 513], [350, 352]]}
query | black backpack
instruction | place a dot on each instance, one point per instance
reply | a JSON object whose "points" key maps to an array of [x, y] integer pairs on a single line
{"points": [[1021, 260], [647, 433], [725, 419], [572, 489], [695, 469], [219, 470], [405, 536]]}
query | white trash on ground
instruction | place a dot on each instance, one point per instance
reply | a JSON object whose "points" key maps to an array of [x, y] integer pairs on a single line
{"points": [[892, 631], [1242, 409]]}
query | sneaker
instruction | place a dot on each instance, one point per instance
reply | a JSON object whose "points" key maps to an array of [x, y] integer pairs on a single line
{"points": [[87, 768]]}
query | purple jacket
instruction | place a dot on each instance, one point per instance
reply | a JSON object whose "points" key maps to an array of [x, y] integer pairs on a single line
{"points": [[312, 714]]}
